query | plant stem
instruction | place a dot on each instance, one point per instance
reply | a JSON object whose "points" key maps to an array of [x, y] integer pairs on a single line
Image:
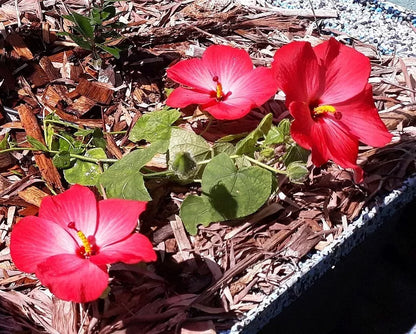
{"points": [[11, 149], [162, 173], [258, 163], [115, 132], [88, 159], [254, 161], [76, 156], [72, 125]]}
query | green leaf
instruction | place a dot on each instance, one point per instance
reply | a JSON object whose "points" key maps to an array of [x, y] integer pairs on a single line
{"points": [[112, 50], [52, 117], [184, 166], [187, 141], [155, 126], [223, 148], [68, 143], [248, 144], [116, 25], [227, 193], [83, 24], [278, 134], [108, 12], [98, 139], [267, 152], [36, 144], [49, 133], [295, 153], [84, 132], [3, 143], [84, 172], [297, 172], [197, 210], [232, 137], [124, 179], [95, 16], [82, 42], [62, 160]]}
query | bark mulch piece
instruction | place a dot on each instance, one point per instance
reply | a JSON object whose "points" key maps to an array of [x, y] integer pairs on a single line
{"points": [[203, 283]]}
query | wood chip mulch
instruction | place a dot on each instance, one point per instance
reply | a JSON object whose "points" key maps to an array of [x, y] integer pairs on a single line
{"points": [[201, 283]]}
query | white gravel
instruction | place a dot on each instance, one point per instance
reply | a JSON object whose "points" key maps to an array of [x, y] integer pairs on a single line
{"points": [[391, 28]]}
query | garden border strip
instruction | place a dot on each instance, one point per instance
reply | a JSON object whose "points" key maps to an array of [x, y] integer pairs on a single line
{"points": [[318, 264]]}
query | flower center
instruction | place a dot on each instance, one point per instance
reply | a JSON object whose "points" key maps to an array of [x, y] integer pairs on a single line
{"points": [[88, 244], [325, 110], [219, 93]]}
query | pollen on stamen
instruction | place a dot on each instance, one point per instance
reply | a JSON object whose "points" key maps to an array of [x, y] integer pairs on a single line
{"points": [[324, 109], [85, 241], [219, 91]]}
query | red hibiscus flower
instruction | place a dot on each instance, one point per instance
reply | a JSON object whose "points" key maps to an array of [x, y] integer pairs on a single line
{"points": [[70, 244], [223, 83], [328, 94]]}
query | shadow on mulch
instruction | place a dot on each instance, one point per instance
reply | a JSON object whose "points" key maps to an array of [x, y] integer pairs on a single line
{"points": [[373, 290]]}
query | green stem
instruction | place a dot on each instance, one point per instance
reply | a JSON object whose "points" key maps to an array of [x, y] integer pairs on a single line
{"points": [[115, 132], [254, 161], [72, 125], [18, 149], [162, 173], [88, 159], [258, 163], [76, 156]]}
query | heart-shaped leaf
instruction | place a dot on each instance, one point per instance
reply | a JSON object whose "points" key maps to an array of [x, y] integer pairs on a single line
{"points": [[227, 193], [84, 172], [124, 179], [155, 126]]}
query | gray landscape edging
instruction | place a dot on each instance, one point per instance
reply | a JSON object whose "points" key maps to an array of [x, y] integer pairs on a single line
{"points": [[313, 268]]}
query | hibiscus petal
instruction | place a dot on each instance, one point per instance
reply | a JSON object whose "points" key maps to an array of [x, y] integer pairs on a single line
{"points": [[301, 127], [228, 63], [341, 146], [230, 109], [34, 239], [347, 71], [135, 248], [327, 138], [78, 205], [182, 97], [117, 219], [72, 278], [192, 73], [363, 120], [258, 85], [298, 73]]}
